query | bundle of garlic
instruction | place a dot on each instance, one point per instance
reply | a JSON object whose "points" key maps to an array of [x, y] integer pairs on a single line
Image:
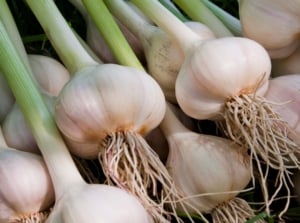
{"points": [[88, 111], [210, 171], [225, 80], [75, 200]]}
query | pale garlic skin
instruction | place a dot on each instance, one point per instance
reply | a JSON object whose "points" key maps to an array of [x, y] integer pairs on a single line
{"points": [[16, 131], [90, 203], [26, 186], [49, 73], [216, 70], [109, 98], [284, 91], [273, 23], [202, 164], [164, 57]]}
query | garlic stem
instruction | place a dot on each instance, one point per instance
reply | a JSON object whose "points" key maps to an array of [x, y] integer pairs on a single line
{"points": [[172, 8], [12, 30], [79, 6], [198, 11], [179, 32], [111, 33], [231, 22], [61, 36], [130, 18], [171, 124], [38, 117]]}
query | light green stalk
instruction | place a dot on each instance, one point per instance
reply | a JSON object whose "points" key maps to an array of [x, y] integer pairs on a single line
{"points": [[167, 21], [9, 23], [38, 117], [61, 36], [197, 11], [172, 8], [231, 22], [111, 33]]}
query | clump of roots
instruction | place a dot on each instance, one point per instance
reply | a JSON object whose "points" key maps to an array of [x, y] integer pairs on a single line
{"points": [[131, 164], [39, 217], [249, 120], [235, 210]]}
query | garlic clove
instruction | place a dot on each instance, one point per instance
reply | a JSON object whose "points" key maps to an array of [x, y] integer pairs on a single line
{"points": [[26, 186]]}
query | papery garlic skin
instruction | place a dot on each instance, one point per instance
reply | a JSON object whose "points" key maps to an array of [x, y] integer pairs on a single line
{"points": [[202, 164], [285, 91], [273, 23], [49, 73], [218, 70], [26, 186], [98, 203], [164, 57], [16, 130], [135, 102]]}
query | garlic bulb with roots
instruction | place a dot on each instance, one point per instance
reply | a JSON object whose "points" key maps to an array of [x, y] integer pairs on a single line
{"points": [[225, 80], [262, 19], [26, 190], [210, 171], [115, 106], [163, 57], [235, 100]]}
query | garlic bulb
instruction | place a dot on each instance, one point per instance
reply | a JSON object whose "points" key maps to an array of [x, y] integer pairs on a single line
{"points": [[262, 19], [115, 106], [16, 131], [202, 91], [49, 73], [124, 87], [26, 190], [164, 58], [116, 205], [210, 171]]}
